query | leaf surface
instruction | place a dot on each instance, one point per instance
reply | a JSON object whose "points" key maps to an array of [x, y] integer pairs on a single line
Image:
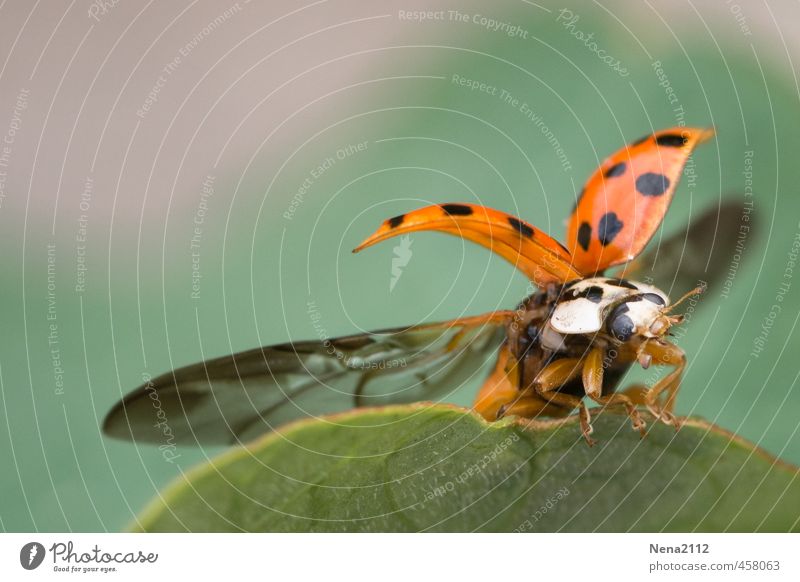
{"points": [[440, 468]]}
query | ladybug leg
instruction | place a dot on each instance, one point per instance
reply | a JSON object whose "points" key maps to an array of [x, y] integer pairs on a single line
{"points": [[593, 384], [500, 396], [636, 393], [665, 354], [554, 376], [530, 407]]}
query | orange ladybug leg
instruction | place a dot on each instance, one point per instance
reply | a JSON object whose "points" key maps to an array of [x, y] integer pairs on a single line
{"points": [[665, 354], [553, 377], [531, 407], [500, 396], [636, 393], [593, 384]]}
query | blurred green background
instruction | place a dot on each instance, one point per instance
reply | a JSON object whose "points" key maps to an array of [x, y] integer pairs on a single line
{"points": [[262, 100]]}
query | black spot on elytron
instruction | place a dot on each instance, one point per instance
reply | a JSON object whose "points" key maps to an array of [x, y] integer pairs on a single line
{"points": [[641, 140], [652, 184], [672, 140], [521, 227], [608, 228], [396, 221], [615, 170], [619, 324], [584, 235], [621, 283], [456, 209], [593, 294], [653, 298]]}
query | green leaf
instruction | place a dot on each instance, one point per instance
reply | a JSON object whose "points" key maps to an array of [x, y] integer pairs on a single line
{"points": [[434, 467]]}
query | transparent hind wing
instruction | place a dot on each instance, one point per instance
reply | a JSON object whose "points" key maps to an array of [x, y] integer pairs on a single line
{"points": [[238, 397]]}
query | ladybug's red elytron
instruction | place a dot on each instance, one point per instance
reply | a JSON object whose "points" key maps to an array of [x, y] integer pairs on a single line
{"points": [[572, 339]]}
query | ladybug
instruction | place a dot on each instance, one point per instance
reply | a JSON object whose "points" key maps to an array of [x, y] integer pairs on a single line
{"points": [[570, 341]]}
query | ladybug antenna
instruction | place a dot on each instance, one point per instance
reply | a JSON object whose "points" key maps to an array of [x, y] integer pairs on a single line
{"points": [[696, 291]]}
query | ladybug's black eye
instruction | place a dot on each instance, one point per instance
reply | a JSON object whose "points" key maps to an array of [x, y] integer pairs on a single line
{"points": [[620, 325]]}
